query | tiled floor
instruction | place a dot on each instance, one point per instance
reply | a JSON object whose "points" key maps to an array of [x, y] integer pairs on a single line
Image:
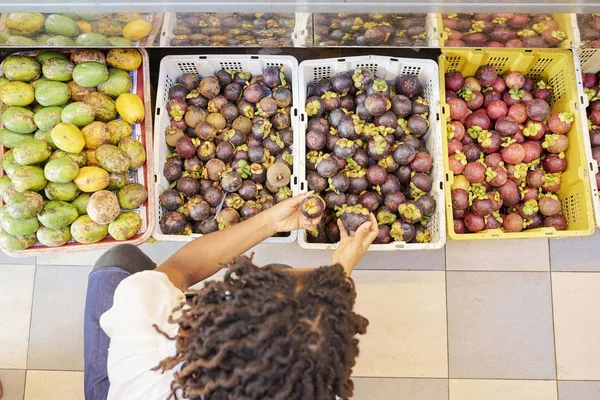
{"points": [[502, 320]]}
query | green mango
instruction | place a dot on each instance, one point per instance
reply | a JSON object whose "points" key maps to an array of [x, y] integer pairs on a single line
{"points": [[17, 93], [45, 136], [10, 139], [19, 119], [53, 237], [117, 181], [21, 68], [9, 165], [28, 177], [5, 183], [78, 114], [60, 25], [86, 231], [61, 170], [51, 93], [58, 69], [60, 41], [42, 39], [3, 81], [36, 83], [90, 74], [31, 151], [112, 159], [61, 191], [47, 55], [132, 196], [11, 242], [16, 40], [118, 82], [24, 23], [91, 16], [134, 150], [125, 226], [72, 16], [19, 227], [47, 117], [81, 202], [58, 214], [79, 158], [117, 41], [92, 40], [25, 205]]}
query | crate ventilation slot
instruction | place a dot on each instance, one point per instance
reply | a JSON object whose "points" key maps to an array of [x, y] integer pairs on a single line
{"points": [[321, 72], [233, 66], [373, 67], [453, 62], [169, 83], [498, 63], [571, 206], [270, 64], [187, 68], [539, 67], [410, 70], [558, 86]]}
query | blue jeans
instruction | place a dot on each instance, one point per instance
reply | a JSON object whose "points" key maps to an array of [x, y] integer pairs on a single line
{"points": [[111, 268]]}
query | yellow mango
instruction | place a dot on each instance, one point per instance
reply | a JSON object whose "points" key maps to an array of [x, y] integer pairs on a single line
{"points": [[91, 179], [67, 137], [130, 107], [136, 30]]}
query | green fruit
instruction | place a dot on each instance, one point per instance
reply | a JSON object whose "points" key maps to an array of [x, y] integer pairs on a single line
{"points": [[117, 41], [17, 94], [21, 68], [16, 40], [104, 107], [53, 237], [79, 158], [92, 40], [118, 82], [28, 177], [61, 191], [3, 81], [5, 183], [61, 170], [78, 114], [134, 150], [81, 203], [10, 242], [47, 117], [3, 212], [31, 151], [86, 231], [91, 16], [9, 165], [60, 25], [60, 41], [47, 55], [19, 227], [117, 181], [90, 74], [25, 205], [46, 136], [51, 93], [19, 119], [58, 214], [125, 226], [35, 83], [112, 159], [58, 69], [10, 139], [24, 23], [132, 196], [42, 39]]}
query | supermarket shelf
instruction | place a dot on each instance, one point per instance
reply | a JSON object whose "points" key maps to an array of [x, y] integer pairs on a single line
{"points": [[576, 6]]}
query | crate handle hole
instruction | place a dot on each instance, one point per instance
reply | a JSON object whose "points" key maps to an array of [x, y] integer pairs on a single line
{"points": [[158, 111], [528, 51], [394, 59], [254, 57], [341, 59], [203, 57], [447, 178], [441, 185]]}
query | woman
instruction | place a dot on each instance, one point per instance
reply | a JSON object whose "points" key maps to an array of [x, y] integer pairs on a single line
{"points": [[262, 333]]}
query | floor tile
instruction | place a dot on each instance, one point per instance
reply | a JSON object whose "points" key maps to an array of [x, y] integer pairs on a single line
{"points": [[70, 258], [395, 388], [56, 341], [500, 325], [13, 383], [54, 385], [576, 254], [467, 389], [577, 323], [406, 336], [578, 390], [6, 259], [497, 255], [16, 290]]}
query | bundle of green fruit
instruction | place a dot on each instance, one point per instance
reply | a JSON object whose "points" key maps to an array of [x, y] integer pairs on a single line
{"points": [[66, 175], [70, 29]]}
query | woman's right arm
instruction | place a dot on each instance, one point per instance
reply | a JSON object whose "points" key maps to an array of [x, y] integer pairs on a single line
{"points": [[352, 248]]}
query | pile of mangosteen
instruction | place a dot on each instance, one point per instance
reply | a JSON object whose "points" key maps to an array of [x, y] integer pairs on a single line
{"points": [[506, 151], [375, 29], [234, 29], [230, 138], [591, 85], [366, 154], [589, 29], [501, 30]]}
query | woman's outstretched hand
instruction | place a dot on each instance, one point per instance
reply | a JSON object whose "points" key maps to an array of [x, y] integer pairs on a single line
{"points": [[353, 247], [286, 216]]}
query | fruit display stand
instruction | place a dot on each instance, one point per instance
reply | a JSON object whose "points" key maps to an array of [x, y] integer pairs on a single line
{"points": [[588, 60], [556, 67], [171, 68], [387, 68], [144, 175]]}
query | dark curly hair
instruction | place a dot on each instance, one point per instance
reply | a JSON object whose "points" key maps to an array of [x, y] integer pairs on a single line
{"points": [[264, 333]]}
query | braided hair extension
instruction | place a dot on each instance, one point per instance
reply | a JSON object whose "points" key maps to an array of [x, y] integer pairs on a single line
{"points": [[264, 333]]}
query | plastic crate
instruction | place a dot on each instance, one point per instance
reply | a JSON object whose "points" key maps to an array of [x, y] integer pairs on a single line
{"points": [[588, 60], [301, 35], [577, 41], [143, 175], [563, 21], [171, 67], [556, 67], [431, 27], [387, 68]]}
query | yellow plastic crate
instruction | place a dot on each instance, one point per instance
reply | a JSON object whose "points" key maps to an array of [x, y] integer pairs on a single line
{"points": [[556, 67], [563, 21]]}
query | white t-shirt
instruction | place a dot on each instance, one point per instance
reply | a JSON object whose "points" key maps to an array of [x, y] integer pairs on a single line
{"points": [[141, 300]]}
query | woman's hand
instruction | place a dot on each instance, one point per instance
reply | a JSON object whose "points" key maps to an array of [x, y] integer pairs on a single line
{"points": [[286, 216], [352, 248]]}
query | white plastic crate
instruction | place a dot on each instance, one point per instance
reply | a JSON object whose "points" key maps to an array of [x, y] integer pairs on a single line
{"points": [[171, 68], [301, 36], [387, 68], [588, 60]]}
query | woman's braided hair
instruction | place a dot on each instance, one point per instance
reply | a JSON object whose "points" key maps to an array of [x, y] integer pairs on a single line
{"points": [[263, 334]]}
